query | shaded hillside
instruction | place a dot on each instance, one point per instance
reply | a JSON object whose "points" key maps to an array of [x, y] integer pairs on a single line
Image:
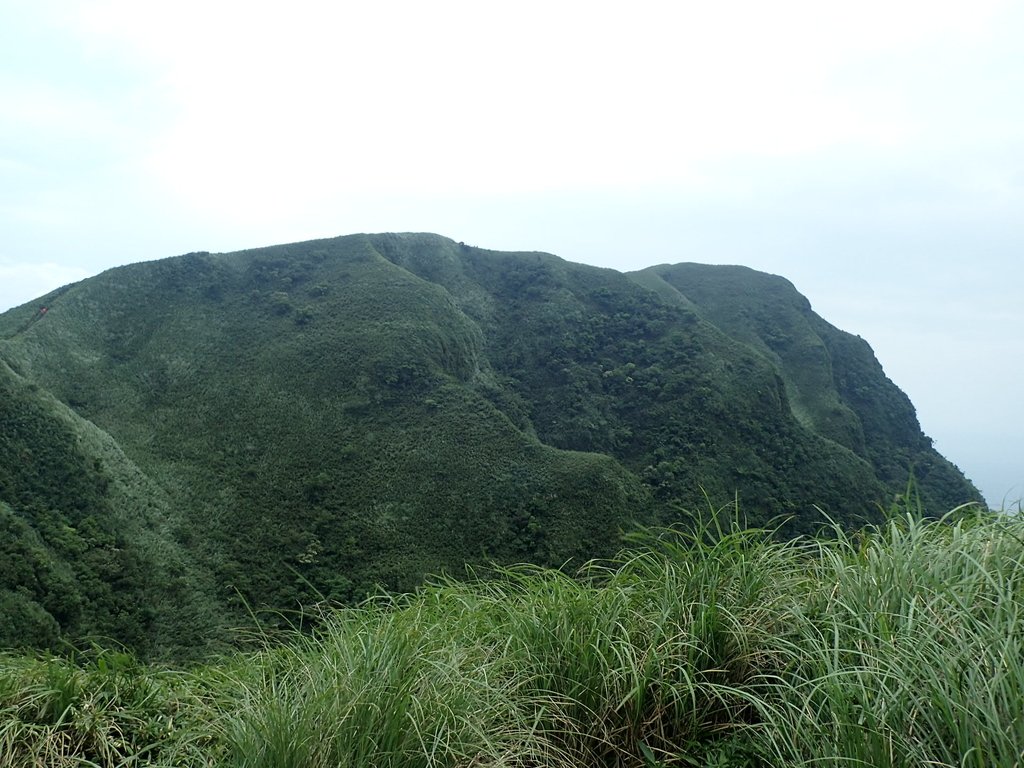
{"points": [[314, 416], [591, 361], [315, 420], [82, 551], [835, 385]]}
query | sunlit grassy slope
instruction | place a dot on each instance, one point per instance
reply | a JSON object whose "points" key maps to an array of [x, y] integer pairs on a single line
{"points": [[318, 420], [900, 645]]}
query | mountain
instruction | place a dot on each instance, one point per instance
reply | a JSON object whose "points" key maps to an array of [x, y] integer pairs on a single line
{"points": [[188, 440]]}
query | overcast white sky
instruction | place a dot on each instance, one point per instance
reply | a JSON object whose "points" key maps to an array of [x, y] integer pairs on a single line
{"points": [[871, 152]]}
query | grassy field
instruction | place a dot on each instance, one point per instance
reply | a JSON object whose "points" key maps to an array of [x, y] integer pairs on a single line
{"points": [[900, 644]]}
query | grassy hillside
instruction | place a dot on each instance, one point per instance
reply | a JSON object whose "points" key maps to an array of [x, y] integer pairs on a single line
{"points": [[314, 418], [81, 547], [707, 646], [271, 428], [693, 377], [834, 383]]}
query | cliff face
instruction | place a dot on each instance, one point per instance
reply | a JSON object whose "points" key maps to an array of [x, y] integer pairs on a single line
{"points": [[835, 385], [278, 426]]}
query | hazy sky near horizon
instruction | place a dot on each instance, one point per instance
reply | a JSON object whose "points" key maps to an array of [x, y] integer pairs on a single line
{"points": [[871, 152]]}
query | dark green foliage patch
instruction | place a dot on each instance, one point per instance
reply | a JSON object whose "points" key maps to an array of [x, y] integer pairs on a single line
{"points": [[191, 442]]}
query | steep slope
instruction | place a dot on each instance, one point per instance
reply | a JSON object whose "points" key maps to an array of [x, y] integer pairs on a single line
{"points": [[836, 386], [82, 550], [592, 361], [267, 428], [314, 414]]}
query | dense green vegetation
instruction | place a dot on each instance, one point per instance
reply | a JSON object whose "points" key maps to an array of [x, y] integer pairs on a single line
{"points": [[78, 555], [833, 382], [82, 550], [190, 441], [713, 645]]}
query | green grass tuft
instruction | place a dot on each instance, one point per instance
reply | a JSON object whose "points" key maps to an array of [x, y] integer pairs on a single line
{"points": [[898, 645]]}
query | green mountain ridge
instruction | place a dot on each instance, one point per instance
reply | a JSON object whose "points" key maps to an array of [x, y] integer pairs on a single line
{"points": [[267, 428]]}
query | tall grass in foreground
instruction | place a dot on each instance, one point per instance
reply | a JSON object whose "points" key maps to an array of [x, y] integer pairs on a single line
{"points": [[98, 709], [654, 659], [897, 645], [392, 684], [910, 649], [644, 663]]}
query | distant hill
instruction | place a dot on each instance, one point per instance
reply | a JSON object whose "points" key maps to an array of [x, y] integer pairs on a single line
{"points": [[185, 440]]}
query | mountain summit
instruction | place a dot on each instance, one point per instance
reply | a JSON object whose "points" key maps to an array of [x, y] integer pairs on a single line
{"points": [[185, 440]]}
